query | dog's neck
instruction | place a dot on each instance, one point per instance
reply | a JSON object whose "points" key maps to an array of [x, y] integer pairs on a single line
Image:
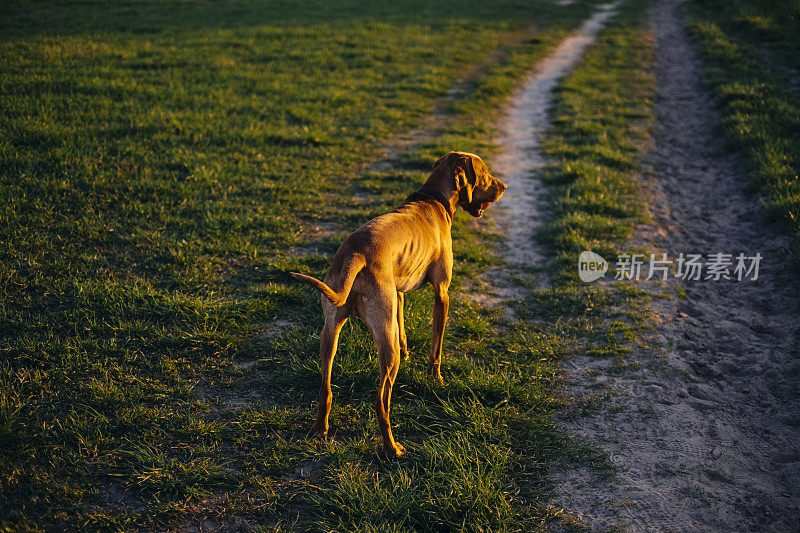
{"points": [[447, 203]]}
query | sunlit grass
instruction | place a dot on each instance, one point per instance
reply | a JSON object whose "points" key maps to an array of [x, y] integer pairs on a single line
{"points": [[162, 166]]}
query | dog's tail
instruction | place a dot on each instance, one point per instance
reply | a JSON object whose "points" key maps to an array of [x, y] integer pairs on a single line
{"points": [[350, 270]]}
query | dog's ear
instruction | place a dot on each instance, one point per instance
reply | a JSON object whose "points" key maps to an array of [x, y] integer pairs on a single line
{"points": [[463, 178], [442, 159]]}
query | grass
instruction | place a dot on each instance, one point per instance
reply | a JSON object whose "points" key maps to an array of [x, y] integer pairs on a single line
{"points": [[750, 55], [165, 164], [602, 120], [602, 123]]}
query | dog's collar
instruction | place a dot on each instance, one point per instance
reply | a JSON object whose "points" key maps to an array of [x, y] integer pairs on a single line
{"points": [[439, 197]]}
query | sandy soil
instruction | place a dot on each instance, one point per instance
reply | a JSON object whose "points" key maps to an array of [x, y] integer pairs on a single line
{"points": [[523, 122], [707, 431], [518, 214]]}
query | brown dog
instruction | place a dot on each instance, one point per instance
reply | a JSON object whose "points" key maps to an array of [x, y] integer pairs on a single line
{"points": [[393, 254]]}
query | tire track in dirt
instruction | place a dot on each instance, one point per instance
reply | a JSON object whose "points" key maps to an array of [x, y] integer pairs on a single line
{"points": [[525, 119], [707, 434], [391, 152]]}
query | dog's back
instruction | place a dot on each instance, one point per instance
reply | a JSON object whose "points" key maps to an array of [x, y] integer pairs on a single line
{"points": [[399, 245]]}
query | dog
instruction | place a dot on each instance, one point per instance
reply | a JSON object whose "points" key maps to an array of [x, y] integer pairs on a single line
{"points": [[389, 256]]}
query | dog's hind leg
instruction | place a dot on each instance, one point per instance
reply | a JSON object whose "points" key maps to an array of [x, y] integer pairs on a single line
{"points": [[382, 323], [335, 317], [401, 327], [389, 356]]}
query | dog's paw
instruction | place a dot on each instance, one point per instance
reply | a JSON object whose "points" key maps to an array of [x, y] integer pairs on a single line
{"points": [[436, 376], [395, 453], [318, 431]]}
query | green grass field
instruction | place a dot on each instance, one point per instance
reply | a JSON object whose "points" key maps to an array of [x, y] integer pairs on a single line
{"points": [[163, 165], [751, 56]]}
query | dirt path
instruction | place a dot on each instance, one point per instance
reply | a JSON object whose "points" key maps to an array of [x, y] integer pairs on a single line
{"points": [[706, 433], [519, 213], [400, 145], [524, 121]]}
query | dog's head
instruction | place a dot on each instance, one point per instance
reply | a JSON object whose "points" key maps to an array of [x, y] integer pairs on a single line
{"points": [[471, 179]]}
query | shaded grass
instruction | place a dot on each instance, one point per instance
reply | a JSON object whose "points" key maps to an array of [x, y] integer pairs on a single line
{"points": [[600, 120], [162, 173], [602, 116], [489, 437], [162, 166], [750, 55]]}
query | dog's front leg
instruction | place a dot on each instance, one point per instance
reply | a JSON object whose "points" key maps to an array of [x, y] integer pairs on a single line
{"points": [[441, 303]]}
